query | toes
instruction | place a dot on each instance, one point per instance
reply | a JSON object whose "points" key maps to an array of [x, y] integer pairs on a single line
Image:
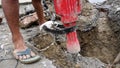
{"points": [[24, 57], [20, 57], [33, 54], [28, 56]]}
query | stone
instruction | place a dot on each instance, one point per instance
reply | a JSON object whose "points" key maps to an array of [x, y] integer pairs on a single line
{"points": [[1, 20], [8, 64], [26, 21]]}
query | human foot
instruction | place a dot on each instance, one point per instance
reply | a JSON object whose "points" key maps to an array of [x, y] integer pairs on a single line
{"points": [[26, 55], [22, 52]]}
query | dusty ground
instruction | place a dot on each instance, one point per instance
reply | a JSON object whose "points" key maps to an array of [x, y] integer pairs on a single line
{"points": [[99, 46]]}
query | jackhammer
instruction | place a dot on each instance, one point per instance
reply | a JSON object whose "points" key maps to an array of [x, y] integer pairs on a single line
{"points": [[68, 10]]}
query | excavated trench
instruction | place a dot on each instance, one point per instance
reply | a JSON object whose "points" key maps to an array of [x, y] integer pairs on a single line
{"points": [[101, 41]]}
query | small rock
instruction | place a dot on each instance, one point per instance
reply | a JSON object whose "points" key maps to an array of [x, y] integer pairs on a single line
{"points": [[26, 21], [117, 66], [1, 20], [96, 1]]}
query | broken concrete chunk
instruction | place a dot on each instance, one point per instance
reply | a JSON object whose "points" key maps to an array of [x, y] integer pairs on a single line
{"points": [[27, 20]]}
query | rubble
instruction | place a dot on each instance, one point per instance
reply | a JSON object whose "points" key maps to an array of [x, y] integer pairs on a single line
{"points": [[98, 32], [1, 18], [28, 20], [96, 35]]}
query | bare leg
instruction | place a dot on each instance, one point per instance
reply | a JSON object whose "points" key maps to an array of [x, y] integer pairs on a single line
{"points": [[11, 10], [38, 7]]}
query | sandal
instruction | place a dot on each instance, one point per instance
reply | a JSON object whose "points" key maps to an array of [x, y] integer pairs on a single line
{"points": [[28, 60]]}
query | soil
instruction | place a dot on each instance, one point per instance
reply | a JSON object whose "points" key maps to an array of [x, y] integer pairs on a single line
{"points": [[99, 40]]}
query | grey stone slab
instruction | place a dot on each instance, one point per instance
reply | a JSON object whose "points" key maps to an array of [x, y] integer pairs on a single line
{"points": [[44, 63], [8, 64]]}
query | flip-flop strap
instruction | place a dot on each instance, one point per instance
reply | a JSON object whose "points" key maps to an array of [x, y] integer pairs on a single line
{"points": [[26, 52]]}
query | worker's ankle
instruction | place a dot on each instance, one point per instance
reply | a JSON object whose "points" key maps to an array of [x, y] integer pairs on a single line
{"points": [[18, 42]]}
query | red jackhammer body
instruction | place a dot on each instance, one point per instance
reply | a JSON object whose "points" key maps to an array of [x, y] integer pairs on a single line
{"points": [[69, 10]]}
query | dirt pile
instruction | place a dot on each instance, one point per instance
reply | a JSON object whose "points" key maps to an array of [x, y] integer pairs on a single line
{"points": [[101, 42]]}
